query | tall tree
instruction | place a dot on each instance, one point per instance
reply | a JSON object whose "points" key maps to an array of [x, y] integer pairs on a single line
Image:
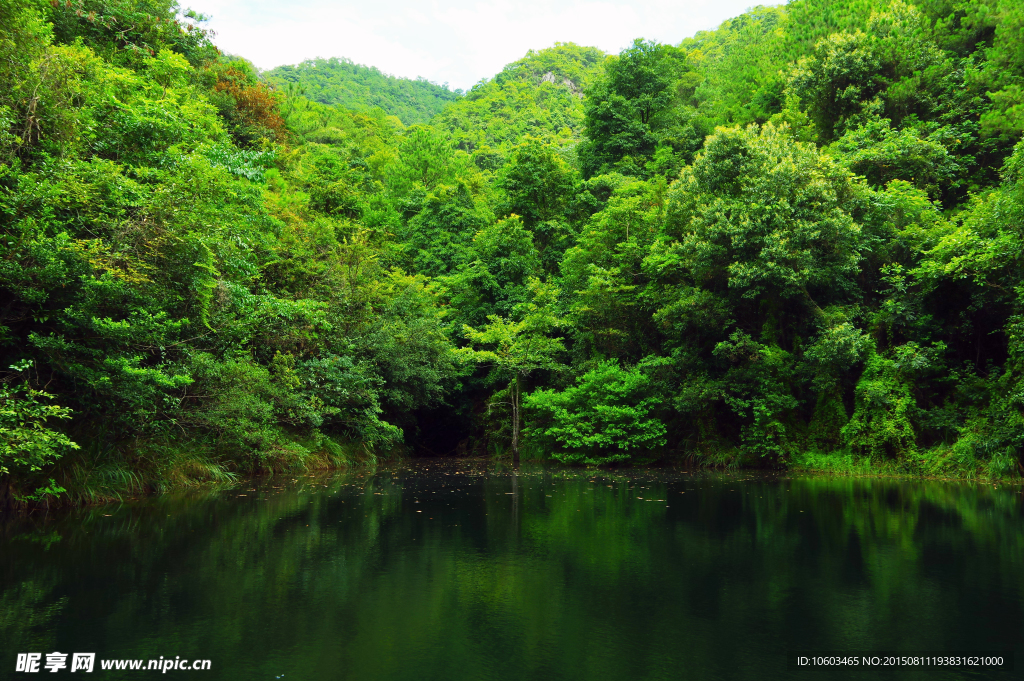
{"points": [[623, 107], [516, 349]]}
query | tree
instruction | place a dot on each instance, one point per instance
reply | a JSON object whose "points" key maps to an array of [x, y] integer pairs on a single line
{"points": [[540, 186], [622, 109], [518, 348], [27, 444], [761, 215], [758, 246], [853, 77], [538, 183], [882, 155], [604, 418], [438, 239]]}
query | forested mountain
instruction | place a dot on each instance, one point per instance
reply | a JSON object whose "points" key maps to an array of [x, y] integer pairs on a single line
{"points": [[541, 96], [792, 241], [354, 86]]}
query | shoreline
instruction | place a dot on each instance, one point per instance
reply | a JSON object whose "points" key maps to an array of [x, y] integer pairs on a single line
{"points": [[157, 489]]}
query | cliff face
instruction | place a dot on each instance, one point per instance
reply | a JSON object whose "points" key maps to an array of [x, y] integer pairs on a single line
{"points": [[550, 77]]}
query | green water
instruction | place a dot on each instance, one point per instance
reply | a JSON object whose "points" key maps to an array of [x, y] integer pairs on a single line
{"points": [[465, 571]]}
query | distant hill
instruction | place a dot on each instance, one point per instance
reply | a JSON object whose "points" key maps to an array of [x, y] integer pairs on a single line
{"points": [[540, 95], [354, 86], [745, 63]]}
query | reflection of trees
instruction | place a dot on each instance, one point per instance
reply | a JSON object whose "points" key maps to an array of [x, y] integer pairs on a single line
{"points": [[573, 575]]}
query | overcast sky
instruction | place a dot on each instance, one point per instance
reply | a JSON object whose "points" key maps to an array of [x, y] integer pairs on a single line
{"points": [[453, 41]]}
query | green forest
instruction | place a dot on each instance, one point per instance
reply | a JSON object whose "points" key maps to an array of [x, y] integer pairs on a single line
{"points": [[354, 86], [796, 241]]}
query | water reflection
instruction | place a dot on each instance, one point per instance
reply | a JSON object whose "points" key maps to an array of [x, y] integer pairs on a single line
{"points": [[468, 571]]}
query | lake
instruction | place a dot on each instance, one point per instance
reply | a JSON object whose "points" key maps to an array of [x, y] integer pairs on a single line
{"points": [[447, 570]]}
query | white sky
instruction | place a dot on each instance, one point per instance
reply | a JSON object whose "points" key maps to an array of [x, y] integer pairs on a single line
{"points": [[453, 41]]}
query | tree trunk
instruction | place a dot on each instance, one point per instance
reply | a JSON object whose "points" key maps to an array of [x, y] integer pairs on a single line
{"points": [[6, 501], [515, 420]]}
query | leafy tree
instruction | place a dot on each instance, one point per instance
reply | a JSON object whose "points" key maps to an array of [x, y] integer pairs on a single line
{"points": [[438, 238], [540, 187], [248, 105], [882, 155], [799, 231], [518, 348], [609, 415], [881, 71], [126, 32], [760, 245], [603, 272], [882, 422], [763, 216], [497, 280], [622, 109], [27, 444]]}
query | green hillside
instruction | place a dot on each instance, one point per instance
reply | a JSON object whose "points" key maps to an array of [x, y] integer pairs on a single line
{"points": [[354, 86], [541, 95], [791, 242]]}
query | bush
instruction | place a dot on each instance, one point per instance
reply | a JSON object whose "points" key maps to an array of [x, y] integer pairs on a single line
{"points": [[605, 418]]}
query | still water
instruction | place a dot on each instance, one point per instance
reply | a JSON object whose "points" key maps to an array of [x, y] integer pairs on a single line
{"points": [[447, 571]]}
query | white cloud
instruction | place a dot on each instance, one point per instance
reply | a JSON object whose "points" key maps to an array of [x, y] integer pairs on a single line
{"points": [[453, 41]]}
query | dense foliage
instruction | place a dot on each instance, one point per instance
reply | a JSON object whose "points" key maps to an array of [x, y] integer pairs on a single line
{"points": [[354, 86], [539, 96], [792, 241]]}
